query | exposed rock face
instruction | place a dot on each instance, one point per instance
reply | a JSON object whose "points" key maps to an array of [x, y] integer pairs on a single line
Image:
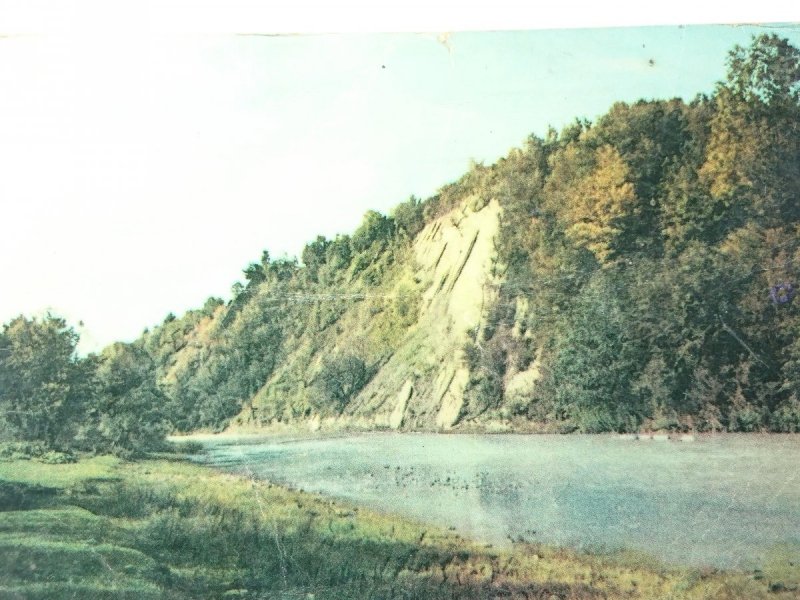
{"points": [[396, 418], [453, 256], [443, 278]]}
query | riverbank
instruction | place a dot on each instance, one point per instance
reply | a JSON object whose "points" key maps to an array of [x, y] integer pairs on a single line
{"points": [[723, 501], [349, 424], [301, 431], [103, 528], [354, 424]]}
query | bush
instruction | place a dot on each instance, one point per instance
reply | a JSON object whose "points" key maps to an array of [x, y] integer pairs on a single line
{"points": [[743, 416], [666, 423], [340, 379], [22, 496], [21, 450], [484, 393], [595, 421], [189, 447], [53, 457], [786, 418]]}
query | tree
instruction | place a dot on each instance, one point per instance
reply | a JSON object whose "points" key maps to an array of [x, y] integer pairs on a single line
{"points": [[255, 274], [131, 410], [751, 168], [339, 380], [374, 228], [313, 257], [408, 217], [597, 359], [768, 72], [339, 253], [601, 205], [650, 136], [44, 387]]}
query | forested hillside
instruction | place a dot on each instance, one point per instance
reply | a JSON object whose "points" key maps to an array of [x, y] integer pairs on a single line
{"points": [[636, 272]]}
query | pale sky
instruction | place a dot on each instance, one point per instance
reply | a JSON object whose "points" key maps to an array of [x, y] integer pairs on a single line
{"points": [[142, 172]]}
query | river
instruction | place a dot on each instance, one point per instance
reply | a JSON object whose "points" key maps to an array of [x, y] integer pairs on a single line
{"points": [[725, 501]]}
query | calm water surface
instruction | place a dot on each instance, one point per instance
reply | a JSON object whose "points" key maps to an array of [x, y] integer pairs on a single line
{"points": [[726, 501]]}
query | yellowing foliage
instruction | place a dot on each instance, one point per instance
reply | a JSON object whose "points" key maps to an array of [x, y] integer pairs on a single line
{"points": [[598, 204]]}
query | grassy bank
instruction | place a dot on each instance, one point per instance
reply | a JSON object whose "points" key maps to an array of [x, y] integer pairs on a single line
{"points": [[103, 528]]}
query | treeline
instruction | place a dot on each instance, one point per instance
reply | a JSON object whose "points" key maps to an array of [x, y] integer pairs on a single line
{"points": [[647, 266], [54, 403], [651, 261]]}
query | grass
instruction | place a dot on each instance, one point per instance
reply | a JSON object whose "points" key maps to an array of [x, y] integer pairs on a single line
{"points": [[103, 528], [60, 476]]}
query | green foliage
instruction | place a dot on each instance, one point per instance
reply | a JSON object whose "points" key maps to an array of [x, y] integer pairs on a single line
{"points": [[751, 167], [409, 217], [314, 257], [394, 313], [56, 402], [22, 450], [338, 253], [375, 229], [786, 417], [53, 457], [596, 362], [339, 380], [487, 363], [44, 387], [767, 72], [645, 248]]}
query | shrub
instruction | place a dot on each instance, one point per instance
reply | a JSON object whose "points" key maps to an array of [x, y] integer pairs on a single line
{"points": [[188, 447], [21, 450], [786, 418], [53, 457], [595, 421], [340, 379]]}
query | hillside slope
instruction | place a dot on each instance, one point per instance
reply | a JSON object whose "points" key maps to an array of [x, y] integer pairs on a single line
{"points": [[411, 326], [638, 272], [422, 383]]}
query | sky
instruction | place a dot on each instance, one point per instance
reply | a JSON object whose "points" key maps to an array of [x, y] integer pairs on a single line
{"points": [[141, 172]]}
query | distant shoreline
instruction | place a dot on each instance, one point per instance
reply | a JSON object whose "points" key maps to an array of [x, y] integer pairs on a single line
{"points": [[300, 433]]}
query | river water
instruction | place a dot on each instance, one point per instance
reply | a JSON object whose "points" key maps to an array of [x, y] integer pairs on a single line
{"points": [[725, 501]]}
